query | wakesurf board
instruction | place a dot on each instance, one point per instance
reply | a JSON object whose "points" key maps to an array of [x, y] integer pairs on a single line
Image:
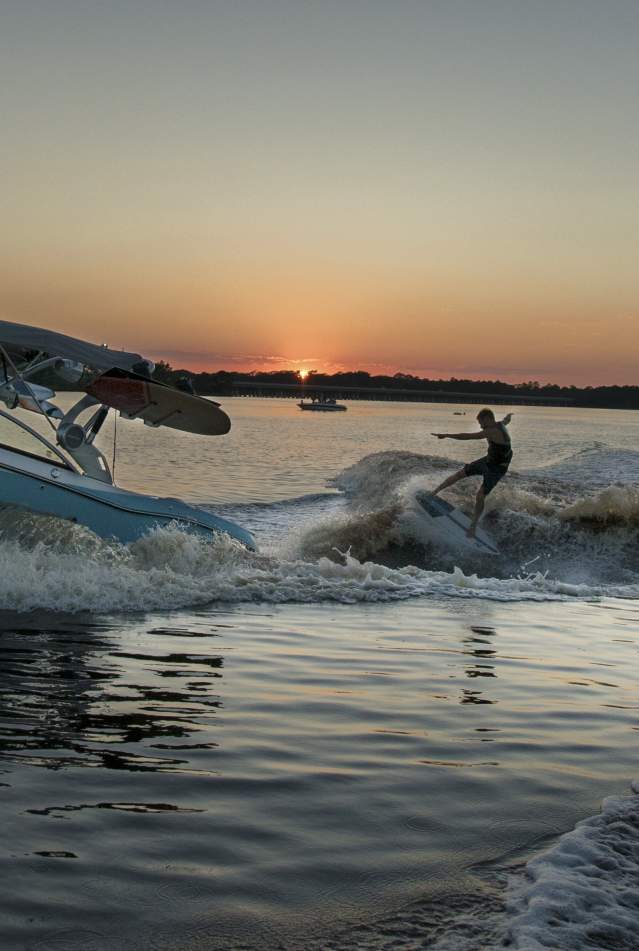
{"points": [[448, 525]]}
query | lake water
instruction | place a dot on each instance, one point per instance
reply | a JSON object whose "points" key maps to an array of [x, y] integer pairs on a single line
{"points": [[350, 739]]}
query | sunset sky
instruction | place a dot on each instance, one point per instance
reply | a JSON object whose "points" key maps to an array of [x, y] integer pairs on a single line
{"points": [[438, 187]]}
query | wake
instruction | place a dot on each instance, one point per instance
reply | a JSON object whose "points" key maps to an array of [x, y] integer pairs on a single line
{"points": [[366, 545]]}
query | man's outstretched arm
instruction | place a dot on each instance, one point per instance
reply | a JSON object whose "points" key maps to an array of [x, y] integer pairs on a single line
{"points": [[482, 434]]}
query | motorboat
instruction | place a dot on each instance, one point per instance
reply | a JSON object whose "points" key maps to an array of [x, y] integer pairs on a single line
{"points": [[66, 475], [322, 404]]}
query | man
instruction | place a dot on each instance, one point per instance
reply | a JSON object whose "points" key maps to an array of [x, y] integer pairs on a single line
{"points": [[493, 466]]}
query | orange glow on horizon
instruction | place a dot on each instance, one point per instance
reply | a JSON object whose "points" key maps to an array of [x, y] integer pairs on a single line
{"points": [[226, 232]]}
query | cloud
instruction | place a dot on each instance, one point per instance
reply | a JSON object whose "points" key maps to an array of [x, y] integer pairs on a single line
{"points": [[209, 360]]}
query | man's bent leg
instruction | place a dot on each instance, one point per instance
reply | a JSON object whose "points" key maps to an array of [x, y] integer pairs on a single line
{"points": [[479, 508], [451, 480]]}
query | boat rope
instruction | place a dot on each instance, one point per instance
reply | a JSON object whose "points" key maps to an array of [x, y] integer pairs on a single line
{"points": [[115, 444]]}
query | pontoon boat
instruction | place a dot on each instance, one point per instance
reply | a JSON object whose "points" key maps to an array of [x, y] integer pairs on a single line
{"points": [[323, 404]]}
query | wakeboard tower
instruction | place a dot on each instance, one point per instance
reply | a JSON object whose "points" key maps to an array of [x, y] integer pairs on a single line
{"points": [[68, 476]]}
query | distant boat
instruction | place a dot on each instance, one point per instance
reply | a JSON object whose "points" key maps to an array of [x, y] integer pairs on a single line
{"points": [[324, 405], [458, 413]]}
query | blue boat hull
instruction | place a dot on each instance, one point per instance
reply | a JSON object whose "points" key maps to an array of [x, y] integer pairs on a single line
{"points": [[37, 485]]}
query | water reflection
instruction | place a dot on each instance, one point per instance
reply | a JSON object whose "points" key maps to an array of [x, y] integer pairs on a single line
{"points": [[296, 773], [479, 645], [71, 698]]}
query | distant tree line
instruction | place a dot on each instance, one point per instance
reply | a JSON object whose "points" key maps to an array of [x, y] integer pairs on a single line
{"points": [[221, 383]]}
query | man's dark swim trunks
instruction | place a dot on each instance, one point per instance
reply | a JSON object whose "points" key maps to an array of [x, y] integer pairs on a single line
{"points": [[491, 473]]}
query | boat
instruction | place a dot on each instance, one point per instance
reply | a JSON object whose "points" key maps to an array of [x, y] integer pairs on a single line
{"points": [[66, 475], [323, 404]]}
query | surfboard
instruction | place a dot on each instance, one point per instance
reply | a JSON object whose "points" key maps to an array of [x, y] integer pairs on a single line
{"points": [[448, 525], [137, 397]]}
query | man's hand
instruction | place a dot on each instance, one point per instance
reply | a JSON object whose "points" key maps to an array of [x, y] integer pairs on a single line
{"points": [[507, 418], [440, 435]]}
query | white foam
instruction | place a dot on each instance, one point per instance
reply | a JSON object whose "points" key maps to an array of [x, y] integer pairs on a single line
{"points": [[583, 538], [363, 533], [583, 892], [172, 569], [596, 465], [377, 478], [580, 547], [615, 505]]}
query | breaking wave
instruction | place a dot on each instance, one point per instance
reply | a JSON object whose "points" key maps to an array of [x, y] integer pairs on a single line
{"points": [[172, 569], [581, 537], [580, 893], [594, 465], [583, 892], [364, 542]]}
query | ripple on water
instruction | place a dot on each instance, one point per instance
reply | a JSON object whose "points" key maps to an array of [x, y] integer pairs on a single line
{"points": [[76, 940], [297, 770]]}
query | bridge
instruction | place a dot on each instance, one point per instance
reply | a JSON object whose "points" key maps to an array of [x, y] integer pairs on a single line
{"points": [[310, 390]]}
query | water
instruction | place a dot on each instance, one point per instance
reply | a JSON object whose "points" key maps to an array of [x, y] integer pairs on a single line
{"points": [[351, 739]]}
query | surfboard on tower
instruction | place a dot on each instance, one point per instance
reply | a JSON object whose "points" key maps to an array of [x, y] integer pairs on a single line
{"points": [[137, 397], [444, 524]]}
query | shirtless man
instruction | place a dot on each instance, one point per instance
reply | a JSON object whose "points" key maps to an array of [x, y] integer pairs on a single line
{"points": [[493, 466]]}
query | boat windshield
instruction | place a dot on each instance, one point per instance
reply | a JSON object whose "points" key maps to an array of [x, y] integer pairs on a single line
{"points": [[13, 436]]}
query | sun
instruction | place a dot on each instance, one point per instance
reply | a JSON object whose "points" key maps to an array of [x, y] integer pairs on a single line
{"points": [[302, 374]]}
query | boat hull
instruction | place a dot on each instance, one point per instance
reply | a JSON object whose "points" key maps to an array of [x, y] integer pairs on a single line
{"points": [[323, 407], [31, 483]]}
